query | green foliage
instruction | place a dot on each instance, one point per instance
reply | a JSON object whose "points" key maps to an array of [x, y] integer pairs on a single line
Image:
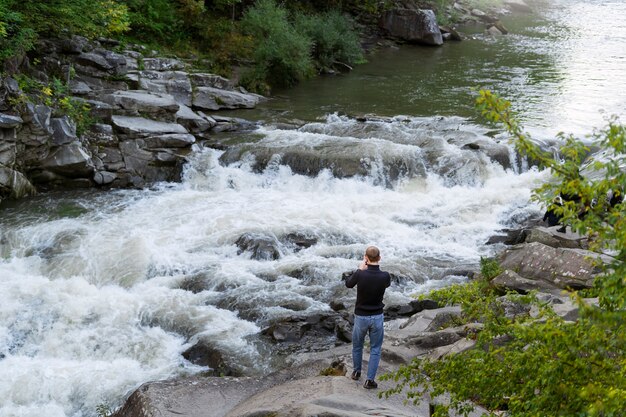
{"points": [[156, 19], [545, 366], [489, 268], [281, 53], [22, 21], [334, 39]]}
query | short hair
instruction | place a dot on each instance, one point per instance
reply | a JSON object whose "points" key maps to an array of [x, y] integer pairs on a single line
{"points": [[372, 253]]}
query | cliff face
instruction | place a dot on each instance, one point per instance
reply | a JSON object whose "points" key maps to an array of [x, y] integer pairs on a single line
{"points": [[144, 113]]}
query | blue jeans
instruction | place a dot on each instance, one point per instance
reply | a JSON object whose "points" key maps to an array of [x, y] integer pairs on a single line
{"points": [[374, 326]]}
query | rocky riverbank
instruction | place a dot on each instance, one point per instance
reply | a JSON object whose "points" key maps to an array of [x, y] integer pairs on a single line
{"points": [[145, 111], [148, 112], [534, 258]]}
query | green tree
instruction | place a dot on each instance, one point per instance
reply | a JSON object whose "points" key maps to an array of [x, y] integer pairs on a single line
{"points": [[546, 366], [281, 53]]}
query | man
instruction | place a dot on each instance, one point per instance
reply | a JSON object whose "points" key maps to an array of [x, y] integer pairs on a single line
{"points": [[371, 283]]}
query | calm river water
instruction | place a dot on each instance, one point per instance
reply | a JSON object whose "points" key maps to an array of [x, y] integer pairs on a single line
{"points": [[93, 298]]}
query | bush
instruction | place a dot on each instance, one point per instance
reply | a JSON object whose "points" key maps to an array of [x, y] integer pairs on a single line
{"points": [[334, 40], [281, 54]]}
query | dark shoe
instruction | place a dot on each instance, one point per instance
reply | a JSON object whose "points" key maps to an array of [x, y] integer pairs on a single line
{"points": [[356, 375], [370, 384], [562, 229]]}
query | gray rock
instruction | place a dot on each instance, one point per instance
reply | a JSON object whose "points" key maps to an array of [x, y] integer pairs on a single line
{"points": [[63, 130], [104, 177], [210, 98], [79, 88], [69, 160], [550, 237], [8, 153], [8, 121], [39, 118], [412, 25], [425, 321], [263, 248], [431, 340], [561, 267], [494, 31], [518, 5], [75, 45], [98, 109], [495, 151], [192, 121], [14, 184], [175, 83], [94, 60], [162, 64], [512, 281], [211, 80], [136, 102], [173, 140], [139, 125]]}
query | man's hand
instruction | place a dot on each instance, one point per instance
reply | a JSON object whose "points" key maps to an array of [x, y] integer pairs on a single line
{"points": [[363, 264]]}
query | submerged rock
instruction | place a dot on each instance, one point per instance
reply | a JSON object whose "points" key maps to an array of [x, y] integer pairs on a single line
{"points": [[263, 248]]}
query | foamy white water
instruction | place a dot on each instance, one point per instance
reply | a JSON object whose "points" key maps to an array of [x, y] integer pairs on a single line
{"points": [[91, 306]]}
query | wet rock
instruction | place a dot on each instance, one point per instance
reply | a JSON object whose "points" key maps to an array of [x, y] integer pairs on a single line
{"points": [[418, 26], [299, 241], [564, 268], [210, 98], [204, 353], [512, 237], [104, 177], [450, 34], [494, 31], [263, 248]]}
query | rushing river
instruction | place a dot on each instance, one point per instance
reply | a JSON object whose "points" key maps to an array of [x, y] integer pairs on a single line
{"points": [[95, 287]]}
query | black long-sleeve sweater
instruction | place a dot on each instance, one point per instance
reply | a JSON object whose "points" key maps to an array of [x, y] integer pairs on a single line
{"points": [[371, 284]]}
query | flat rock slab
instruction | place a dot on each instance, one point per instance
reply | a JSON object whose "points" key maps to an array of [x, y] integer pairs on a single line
{"points": [[142, 101], [8, 121], [140, 125], [210, 98]]}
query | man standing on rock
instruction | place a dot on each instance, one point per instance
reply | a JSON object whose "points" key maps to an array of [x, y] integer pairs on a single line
{"points": [[371, 283]]}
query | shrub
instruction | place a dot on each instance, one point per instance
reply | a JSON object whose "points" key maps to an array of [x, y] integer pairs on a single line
{"points": [[334, 40], [281, 54]]}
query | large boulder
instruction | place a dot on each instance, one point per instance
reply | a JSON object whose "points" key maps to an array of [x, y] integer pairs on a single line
{"points": [[512, 281], [14, 184], [175, 83], [561, 267], [210, 98], [71, 161], [192, 121], [419, 26], [262, 248]]}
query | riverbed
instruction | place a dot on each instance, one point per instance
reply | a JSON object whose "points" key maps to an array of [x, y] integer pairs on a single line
{"points": [[95, 292]]}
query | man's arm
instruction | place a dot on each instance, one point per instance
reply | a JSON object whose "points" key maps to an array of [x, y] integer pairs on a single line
{"points": [[354, 278]]}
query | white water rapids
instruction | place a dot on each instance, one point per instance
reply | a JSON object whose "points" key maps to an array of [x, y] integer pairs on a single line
{"points": [[91, 304]]}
